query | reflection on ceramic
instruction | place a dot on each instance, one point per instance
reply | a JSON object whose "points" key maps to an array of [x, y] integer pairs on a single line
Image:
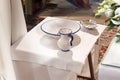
{"points": [[52, 27], [66, 39], [89, 24]]}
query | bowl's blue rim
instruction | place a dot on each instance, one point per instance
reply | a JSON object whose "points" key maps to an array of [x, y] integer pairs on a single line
{"points": [[57, 33]]}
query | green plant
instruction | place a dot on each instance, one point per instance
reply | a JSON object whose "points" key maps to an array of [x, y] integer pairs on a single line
{"points": [[111, 8]]}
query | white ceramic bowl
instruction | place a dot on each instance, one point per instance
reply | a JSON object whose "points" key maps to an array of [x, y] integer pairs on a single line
{"points": [[52, 27], [89, 24]]}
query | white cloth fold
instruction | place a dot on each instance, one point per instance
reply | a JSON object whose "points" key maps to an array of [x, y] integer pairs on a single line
{"points": [[18, 24], [32, 48], [34, 71], [11, 18], [2, 77]]}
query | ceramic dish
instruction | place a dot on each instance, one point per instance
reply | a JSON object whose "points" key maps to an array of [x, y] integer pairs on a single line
{"points": [[89, 24], [52, 27]]}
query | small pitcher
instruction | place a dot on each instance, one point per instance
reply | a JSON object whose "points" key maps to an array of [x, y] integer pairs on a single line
{"points": [[66, 39]]}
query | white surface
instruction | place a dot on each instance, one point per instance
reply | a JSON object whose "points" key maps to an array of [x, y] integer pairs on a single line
{"points": [[18, 24], [6, 15], [38, 44], [110, 66], [108, 73], [30, 58], [112, 56], [117, 1], [25, 68], [5, 40], [34, 71], [2, 77]]}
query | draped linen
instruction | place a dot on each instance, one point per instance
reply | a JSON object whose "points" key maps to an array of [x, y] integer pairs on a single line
{"points": [[17, 20], [12, 27]]}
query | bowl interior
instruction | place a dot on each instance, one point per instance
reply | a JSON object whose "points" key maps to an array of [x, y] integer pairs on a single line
{"points": [[89, 24], [52, 27]]}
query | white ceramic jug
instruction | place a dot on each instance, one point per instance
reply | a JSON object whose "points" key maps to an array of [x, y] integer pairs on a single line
{"points": [[66, 38]]}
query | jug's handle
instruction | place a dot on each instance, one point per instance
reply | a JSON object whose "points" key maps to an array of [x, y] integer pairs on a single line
{"points": [[71, 36]]}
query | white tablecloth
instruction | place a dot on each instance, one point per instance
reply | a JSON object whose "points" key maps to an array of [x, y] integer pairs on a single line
{"points": [[27, 64], [27, 67], [110, 66], [108, 73], [34, 71], [35, 51], [112, 56]]}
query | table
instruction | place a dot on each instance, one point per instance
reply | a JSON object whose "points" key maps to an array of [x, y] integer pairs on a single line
{"points": [[110, 66], [48, 55]]}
